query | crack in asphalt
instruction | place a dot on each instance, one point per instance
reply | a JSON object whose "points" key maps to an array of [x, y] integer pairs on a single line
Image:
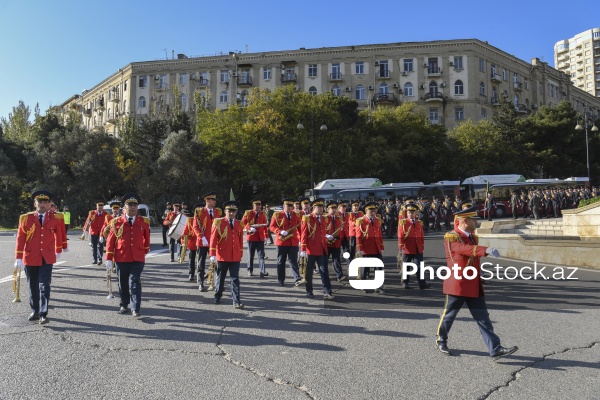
{"points": [[258, 373], [517, 374]]}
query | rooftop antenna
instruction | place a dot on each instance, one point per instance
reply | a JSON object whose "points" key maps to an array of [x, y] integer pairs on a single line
{"points": [[166, 56]]}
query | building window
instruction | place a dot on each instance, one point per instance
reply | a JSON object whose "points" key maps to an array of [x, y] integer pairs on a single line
{"points": [[482, 89], [516, 101], [125, 86], [267, 71], [336, 71], [359, 92], [383, 88], [483, 113], [408, 64], [312, 70], [359, 68], [516, 77], [183, 100], [504, 75], [433, 115], [458, 87], [224, 77], [408, 89], [384, 71], [223, 97], [312, 90], [182, 79], [142, 102], [336, 90], [458, 62], [143, 81], [125, 106], [459, 113], [526, 83], [162, 82], [482, 65], [433, 89]]}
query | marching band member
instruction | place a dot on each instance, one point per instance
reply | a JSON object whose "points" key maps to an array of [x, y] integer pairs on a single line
{"points": [[336, 228], [165, 228], [94, 223], [462, 249], [168, 222], [313, 244], [38, 252], [127, 244], [342, 206], [411, 242], [369, 240], [62, 225], [352, 217], [204, 217], [226, 248], [192, 246], [115, 207], [256, 236], [285, 225]]}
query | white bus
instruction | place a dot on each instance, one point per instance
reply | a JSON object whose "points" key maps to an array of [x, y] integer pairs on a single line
{"points": [[327, 188]]}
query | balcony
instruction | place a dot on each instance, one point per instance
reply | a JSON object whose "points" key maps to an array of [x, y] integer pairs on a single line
{"points": [[518, 86], [435, 120], [202, 82], [383, 73], [434, 72], [495, 101], [496, 78], [434, 97], [289, 77], [335, 76], [100, 107], [563, 57], [597, 61], [87, 112], [160, 86], [385, 98], [522, 109], [113, 96], [244, 80]]}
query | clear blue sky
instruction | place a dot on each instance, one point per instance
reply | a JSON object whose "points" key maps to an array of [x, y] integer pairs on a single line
{"points": [[51, 50]]}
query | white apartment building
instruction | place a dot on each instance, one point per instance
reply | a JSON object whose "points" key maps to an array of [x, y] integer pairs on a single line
{"points": [[579, 57], [452, 80]]}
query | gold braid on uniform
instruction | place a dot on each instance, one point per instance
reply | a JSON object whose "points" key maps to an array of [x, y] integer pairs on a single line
{"points": [[118, 232], [217, 223], [311, 232], [28, 233]]}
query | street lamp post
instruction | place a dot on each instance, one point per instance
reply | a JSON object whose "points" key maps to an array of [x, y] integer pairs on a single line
{"points": [[312, 145], [587, 119]]}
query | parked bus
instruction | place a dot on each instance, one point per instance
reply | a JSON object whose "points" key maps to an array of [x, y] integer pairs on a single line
{"points": [[439, 190], [473, 183], [327, 188]]}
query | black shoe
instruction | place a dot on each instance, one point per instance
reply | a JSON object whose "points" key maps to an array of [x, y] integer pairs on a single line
{"points": [[239, 306], [425, 286], [217, 301], [249, 273], [191, 278], [405, 286], [172, 260], [328, 296], [503, 351], [310, 295], [342, 278], [44, 320], [265, 274], [379, 291], [262, 275], [94, 262], [124, 310], [444, 349], [281, 284], [202, 288], [298, 282], [33, 316], [136, 314], [164, 245]]}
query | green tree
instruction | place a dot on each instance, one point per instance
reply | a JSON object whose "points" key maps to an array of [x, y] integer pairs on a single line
{"points": [[18, 127]]}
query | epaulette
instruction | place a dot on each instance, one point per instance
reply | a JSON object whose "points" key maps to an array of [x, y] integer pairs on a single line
{"points": [[146, 220], [91, 213], [23, 218], [326, 218], [276, 214], [451, 237], [218, 209], [402, 222], [59, 215], [246, 213], [113, 221], [298, 213], [359, 221], [306, 218], [219, 219], [421, 222]]}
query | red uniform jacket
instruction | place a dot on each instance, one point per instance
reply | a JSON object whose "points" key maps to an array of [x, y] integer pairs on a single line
{"points": [[346, 217], [189, 232], [336, 227], [128, 243], [225, 243], [461, 252], [312, 235], [203, 224], [250, 219], [63, 233], [411, 239], [168, 221], [35, 241], [352, 217], [368, 235], [106, 226], [94, 222], [279, 223]]}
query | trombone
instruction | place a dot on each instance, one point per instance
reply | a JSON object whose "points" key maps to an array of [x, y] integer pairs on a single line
{"points": [[302, 268], [16, 285], [109, 283]]}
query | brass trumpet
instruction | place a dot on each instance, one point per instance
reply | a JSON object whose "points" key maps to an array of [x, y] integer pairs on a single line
{"points": [[302, 268], [183, 250], [16, 285], [290, 233], [109, 283], [212, 269]]}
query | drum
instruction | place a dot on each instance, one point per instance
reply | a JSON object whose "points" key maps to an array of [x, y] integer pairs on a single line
{"points": [[177, 227]]}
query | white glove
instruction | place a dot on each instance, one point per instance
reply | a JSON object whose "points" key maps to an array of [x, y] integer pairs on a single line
{"points": [[266, 241], [19, 263], [57, 256], [252, 230], [329, 237], [109, 264], [283, 233], [302, 254], [101, 240], [65, 250], [213, 259], [204, 241], [491, 251]]}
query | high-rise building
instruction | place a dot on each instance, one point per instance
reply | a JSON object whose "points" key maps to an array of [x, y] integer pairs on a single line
{"points": [[452, 80], [579, 57]]}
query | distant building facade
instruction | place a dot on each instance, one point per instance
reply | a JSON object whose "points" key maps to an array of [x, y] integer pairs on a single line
{"points": [[579, 58]]}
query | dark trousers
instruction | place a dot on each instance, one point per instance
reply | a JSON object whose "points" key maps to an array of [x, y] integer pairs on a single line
{"points": [[335, 255], [346, 248], [489, 213], [254, 247], [173, 247], [364, 272], [352, 249], [67, 228], [192, 263], [515, 212], [97, 247], [479, 311], [416, 259], [285, 253], [38, 280], [165, 229], [234, 279], [202, 253], [321, 262], [130, 284], [270, 236]]}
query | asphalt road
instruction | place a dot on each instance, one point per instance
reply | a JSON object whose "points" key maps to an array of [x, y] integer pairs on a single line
{"points": [[285, 346]]}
